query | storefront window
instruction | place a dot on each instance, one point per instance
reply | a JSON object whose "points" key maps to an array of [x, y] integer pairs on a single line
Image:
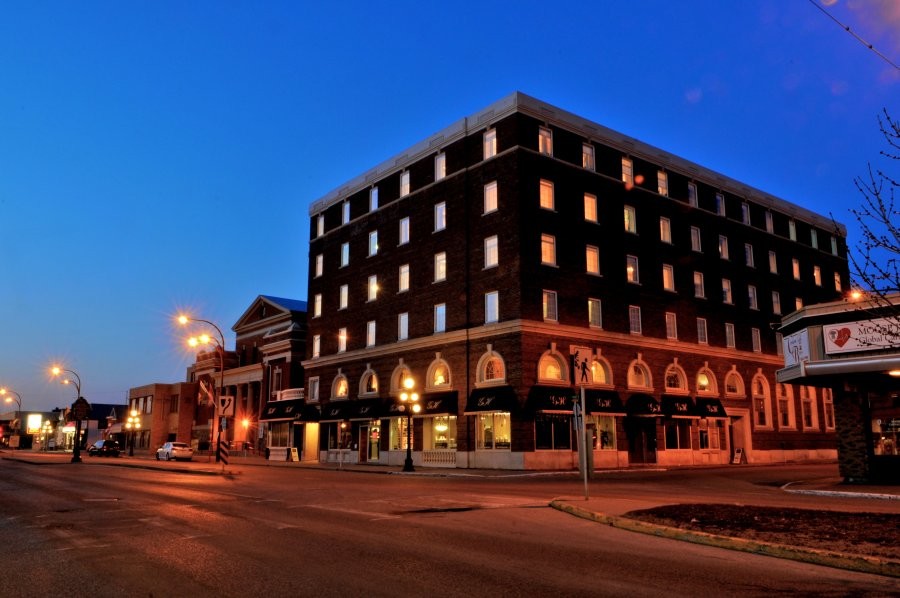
{"points": [[885, 423], [709, 434], [678, 433], [492, 431], [552, 431], [278, 434], [398, 434], [604, 431], [440, 432]]}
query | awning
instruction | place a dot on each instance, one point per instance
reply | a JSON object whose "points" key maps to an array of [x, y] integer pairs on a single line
{"points": [[337, 411], [366, 409], [678, 406], [606, 402], [710, 408], [282, 410], [492, 398], [440, 403], [551, 399], [641, 405]]}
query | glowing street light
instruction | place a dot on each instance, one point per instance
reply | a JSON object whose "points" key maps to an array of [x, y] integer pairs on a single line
{"points": [[411, 405], [18, 401], [80, 408], [204, 339], [133, 424]]}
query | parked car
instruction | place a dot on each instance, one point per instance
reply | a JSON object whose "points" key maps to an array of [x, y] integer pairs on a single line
{"points": [[104, 448], [175, 450]]}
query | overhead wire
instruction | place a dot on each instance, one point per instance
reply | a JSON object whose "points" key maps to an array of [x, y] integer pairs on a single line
{"points": [[848, 30]]}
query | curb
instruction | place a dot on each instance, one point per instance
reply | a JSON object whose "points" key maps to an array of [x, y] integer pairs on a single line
{"points": [[839, 493], [877, 566]]}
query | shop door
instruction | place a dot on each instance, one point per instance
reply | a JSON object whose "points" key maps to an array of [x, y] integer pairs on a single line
{"points": [[363, 444], [641, 435], [298, 439], [373, 441]]}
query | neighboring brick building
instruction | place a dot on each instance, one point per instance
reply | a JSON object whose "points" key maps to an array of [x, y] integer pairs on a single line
{"points": [[479, 260]]}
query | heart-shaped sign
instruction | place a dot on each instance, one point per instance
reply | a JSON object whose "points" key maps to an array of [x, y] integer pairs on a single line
{"points": [[840, 337]]}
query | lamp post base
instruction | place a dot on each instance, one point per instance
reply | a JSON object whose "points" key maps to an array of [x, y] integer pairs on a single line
{"points": [[408, 465]]}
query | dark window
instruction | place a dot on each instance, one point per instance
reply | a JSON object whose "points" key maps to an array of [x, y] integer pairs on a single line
{"points": [[552, 431]]}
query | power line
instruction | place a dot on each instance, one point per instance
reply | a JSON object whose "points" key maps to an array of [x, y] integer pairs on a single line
{"points": [[847, 29]]}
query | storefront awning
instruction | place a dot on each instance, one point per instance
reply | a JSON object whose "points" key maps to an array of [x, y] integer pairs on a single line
{"points": [[294, 410], [605, 402], [551, 399], [366, 409], [440, 403], [710, 408], [642, 405], [493, 398], [678, 406], [337, 411]]}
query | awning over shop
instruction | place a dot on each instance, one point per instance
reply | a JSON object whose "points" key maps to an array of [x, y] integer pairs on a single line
{"points": [[605, 402], [337, 411], [366, 409], [710, 408], [493, 398], [440, 403], [551, 399], [678, 406], [294, 409], [642, 405]]}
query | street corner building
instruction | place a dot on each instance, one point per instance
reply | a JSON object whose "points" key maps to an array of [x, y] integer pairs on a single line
{"points": [[493, 272]]}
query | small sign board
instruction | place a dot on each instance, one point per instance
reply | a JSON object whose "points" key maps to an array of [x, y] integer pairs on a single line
{"points": [[581, 365], [226, 406], [738, 456], [80, 409], [295, 455]]}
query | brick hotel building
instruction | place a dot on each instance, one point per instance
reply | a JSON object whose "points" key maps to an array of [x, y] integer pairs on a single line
{"points": [[477, 262]]}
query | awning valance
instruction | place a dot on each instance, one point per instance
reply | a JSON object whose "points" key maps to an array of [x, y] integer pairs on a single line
{"points": [[678, 406], [642, 405], [440, 403], [551, 399], [337, 411], [291, 410], [366, 409], [492, 398], [606, 402], [710, 408]]}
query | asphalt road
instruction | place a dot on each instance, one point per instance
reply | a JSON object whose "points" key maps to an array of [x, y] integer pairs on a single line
{"points": [[97, 530]]}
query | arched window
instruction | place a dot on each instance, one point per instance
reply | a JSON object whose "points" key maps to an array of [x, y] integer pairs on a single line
{"points": [[676, 379], [734, 384], [552, 367], [400, 373], [639, 374], [339, 388], [762, 407], [368, 384], [601, 372], [491, 368], [438, 375], [706, 382]]}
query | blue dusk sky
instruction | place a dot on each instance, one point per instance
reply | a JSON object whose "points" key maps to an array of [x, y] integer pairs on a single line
{"points": [[161, 155]]}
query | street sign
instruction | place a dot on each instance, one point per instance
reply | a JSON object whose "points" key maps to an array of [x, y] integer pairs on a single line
{"points": [[581, 365], [226, 406], [81, 409]]}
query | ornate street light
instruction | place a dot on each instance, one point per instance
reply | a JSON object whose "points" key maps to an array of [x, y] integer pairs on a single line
{"points": [[133, 424], [205, 339], [80, 408], [18, 401], [410, 404]]}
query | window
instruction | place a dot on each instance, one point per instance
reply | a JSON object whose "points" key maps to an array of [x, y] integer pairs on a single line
{"points": [[403, 326], [723, 247], [547, 201], [345, 212], [320, 225], [748, 255], [440, 317], [440, 166], [662, 183], [702, 338], [627, 172], [720, 204], [440, 266], [490, 367], [792, 230], [745, 213], [320, 260], [631, 269], [828, 408], [369, 383], [634, 319], [675, 378], [817, 276], [639, 375], [370, 333], [808, 408], [372, 287], [695, 240], [678, 433], [489, 143], [773, 263], [760, 390], [595, 315], [342, 340], [404, 231], [837, 282], [440, 216], [708, 434], [545, 141], [492, 431], [776, 303], [592, 257], [314, 390], [373, 243], [755, 340], [590, 207], [734, 385], [403, 279], [490, 197], [549, 306], [552, 431], [784, 401], [404, 183], [798, 303], [373, 199], [795, 268], [344, 292], [317, 305], [729, 335], [630, 220], [491, 307], [813, 238], [726, 291], [692, 194], [751, 297], [706, 381], [345, 254], [491, 252], [699, 287], [317, 345], [548, 250], [770, 223], [665, 230], [834, 248], [587, 156], [668, 276], [671, 326]]}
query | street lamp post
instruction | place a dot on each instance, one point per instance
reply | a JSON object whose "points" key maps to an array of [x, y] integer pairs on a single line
{"points": [[133, 424], [204, 339], [411, 405], [18, 400], [80, 408], [47, 428]]}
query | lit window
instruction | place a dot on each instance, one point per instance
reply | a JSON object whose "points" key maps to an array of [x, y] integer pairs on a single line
{"points": [[490, 197], [662, 183], [692, 194], [817, 276], [404, 231], [701, 331], [665, 230], [440, 216], [370, 333], [745, 213], [630, 220], [489, 143], [720, 204], [592, 255], [813, 238], [798, 303], [440, 166], [770, 223], [699, 288], [638, 376], [342, 340], [317, 305], [837, 282], [668, 275], [345, 254], [403, 281], [627, 171], [373, 287], [344, 292], [545, 141], [440, 266], [547, 201], [748, 255], [491, 252], [316, 345], [695, 240], [440, 317], [345, 212], [320, 225], [373, 243], [776, 303], [549, 306], [590, 207], [373, 199], [773, 263], [751, 297], [402, 326], [595, 315], [587, 156], [795, 268], [404, 183], [631, 269], [548, 250], [729, 336], [491, 307], [634, 319], [726, 291], [792, 230], [671, 326], [723, 247], [319, 264], [755, 339]]}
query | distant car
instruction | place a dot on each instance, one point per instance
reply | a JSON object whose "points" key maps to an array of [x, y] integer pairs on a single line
{"points": [[175, 450], [104, 448]]}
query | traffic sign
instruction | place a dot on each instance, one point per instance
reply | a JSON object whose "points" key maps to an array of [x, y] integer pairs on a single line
{"points": [[81, 409]]}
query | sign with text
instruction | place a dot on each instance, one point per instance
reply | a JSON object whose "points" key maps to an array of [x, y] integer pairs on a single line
{"points": [[796, 348], [867, 335]]}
